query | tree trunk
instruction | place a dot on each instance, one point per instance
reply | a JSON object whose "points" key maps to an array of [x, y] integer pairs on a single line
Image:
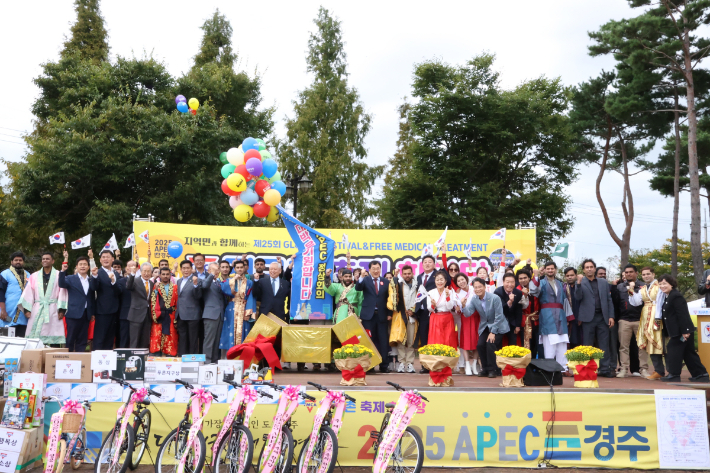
{"points": [[676, 192], [627, 205]]}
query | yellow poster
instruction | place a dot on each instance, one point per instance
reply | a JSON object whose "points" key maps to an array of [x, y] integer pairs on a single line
{"points": [[459, 429], [393, 248]]}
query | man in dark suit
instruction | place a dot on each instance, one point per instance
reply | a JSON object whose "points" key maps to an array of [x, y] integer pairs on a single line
{"points": [[272, 292], [139, 317], [374, 313], [189, 310], [107, 302], [123, 333], [213, 313], [421, 311], [81, 306], [596, 312], [512, 308]]}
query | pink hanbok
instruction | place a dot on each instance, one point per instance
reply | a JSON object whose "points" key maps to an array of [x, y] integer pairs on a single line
{"points": [[44, 322]]}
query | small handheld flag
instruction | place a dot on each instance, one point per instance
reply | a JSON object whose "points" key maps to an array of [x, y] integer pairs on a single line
{"points": [[130, 241], [468, 249], [427, 250], [499, 235], [82, 242], [346, 243], [111, 243], [421, 293], [440, 242], [57, 238], [144, 236]]}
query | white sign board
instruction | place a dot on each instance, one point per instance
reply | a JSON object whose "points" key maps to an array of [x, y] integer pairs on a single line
{"points": [[682, 429]]}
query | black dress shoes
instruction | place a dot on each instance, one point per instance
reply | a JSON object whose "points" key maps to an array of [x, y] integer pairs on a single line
{"points": [[482, 374], [703, 378], [669, 378], [491, 374], [424, 371]]}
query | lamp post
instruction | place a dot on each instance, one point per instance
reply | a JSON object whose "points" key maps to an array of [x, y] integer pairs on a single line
{"points": [[294, 185]]}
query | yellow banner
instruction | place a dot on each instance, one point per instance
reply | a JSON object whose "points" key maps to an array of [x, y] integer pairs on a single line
{"points": [[390, 247], [458, 429]]}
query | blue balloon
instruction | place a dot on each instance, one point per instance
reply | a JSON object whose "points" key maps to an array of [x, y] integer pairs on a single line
{"points": [[175, 249], [250, 143], [269, 167], [182, 107], [279, 186], [249, 197]]}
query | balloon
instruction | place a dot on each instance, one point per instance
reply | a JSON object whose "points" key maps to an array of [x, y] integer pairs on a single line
{"points": [[279, 186], [180, 98], [193, 111], [235, 201], [175, 249], [236, 182], [260, 188], [234, 156], [227, 169], [249, 197], [251, 184], [227, 190], [269, 167], [272, 197], [242, 169], [265, 155], [252, 153], [223, 157], [253, 166], [275, 177], [250, 143], [194, 103], [261, 210], [182, 107], [243, 213], [273, 215], [262, 145]]}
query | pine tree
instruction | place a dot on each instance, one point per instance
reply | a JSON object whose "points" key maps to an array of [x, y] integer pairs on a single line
{"points": [[88, 35], [325, 138]]}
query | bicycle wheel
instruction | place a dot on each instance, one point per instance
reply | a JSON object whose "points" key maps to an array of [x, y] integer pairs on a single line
{"points": [[285, 459], [172, 449], [235, 452], [141, 428], [59, 462], [408, 455], [326, 439], [76, 457], [104, 460]]}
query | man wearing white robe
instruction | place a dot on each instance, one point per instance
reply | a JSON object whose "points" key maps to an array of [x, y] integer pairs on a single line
{"points": [[45, 303]]}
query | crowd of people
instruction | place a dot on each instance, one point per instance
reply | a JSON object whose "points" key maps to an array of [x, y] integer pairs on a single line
{"points": [[198, 308]]}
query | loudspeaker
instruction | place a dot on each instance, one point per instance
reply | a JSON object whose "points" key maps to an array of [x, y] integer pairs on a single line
{"points": [[540, 371]]}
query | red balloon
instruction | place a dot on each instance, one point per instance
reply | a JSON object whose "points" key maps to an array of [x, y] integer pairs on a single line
{"points": [[193, 111], [242, 169], [227, 190], [261, 187], [261, 209], [252, 153]]}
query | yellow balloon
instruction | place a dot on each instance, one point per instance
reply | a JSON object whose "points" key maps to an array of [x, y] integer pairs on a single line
{"points": [[236, 182], [243, 213], [272, 197], [194, 103], [273, 215]]}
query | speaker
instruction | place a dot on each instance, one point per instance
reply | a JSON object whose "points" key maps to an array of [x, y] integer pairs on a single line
{"points": [[540, 371]]}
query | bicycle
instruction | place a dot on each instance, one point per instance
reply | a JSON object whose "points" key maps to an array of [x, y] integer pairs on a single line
{"points": [[321, 447], [398, 447], [118, 452], [184, 447], [234, 446], [279, 441], [73, 451]]}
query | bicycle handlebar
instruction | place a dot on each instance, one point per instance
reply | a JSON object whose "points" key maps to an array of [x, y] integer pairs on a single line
{"points": [[153, 393], [400, 388], [184, 383], [318, 386]]}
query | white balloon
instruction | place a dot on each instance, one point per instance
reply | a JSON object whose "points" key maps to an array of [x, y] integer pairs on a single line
{"points": [[234, 201], [235, 156]]}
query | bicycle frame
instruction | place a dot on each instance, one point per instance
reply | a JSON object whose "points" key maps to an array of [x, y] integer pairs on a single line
{"points": [[240, 412], [197, 407], [122, 418], [330, 413], [393, 426], [288, 402], [55, 435]]}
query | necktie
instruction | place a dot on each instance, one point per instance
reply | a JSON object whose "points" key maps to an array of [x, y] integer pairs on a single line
{"points": [[426, 278], [377, 287], [147, 288], [273, 285]]}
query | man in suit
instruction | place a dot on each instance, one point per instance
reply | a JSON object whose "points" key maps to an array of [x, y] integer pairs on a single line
{"points": [[107, 301], [374, 313], [213, 312], [492, 327], [189, 310], [272, 292], [511, 298], [81, 305], [123, 333], [596, 312], [421, 311], [139, 317]]}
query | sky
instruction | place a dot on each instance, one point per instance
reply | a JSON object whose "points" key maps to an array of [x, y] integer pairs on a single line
{"points": [[383, 42]]}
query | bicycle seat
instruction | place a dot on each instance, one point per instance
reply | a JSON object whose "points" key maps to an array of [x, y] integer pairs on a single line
{"points": [[390, 405]]}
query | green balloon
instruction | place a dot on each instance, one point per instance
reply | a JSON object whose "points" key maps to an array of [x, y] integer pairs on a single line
{"points": [[275, 177], [262, 144], [227, 169], [223, 158], [265, 155]]}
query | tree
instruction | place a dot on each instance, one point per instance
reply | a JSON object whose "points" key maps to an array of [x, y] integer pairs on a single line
{"points": [[325, 139], [481, 156], [88, 35]]}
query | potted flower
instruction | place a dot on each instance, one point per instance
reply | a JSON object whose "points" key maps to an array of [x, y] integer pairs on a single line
{"points": [[439, 359], [353, 361], [583, 361], [513, 360]]}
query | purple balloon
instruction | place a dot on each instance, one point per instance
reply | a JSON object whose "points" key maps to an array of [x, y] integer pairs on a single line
{"points": [[180, 98], [254, 166]]}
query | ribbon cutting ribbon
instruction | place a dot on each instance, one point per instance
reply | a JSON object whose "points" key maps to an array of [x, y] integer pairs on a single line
{"points": [[510, 370], [358, 372], [586, 372], [262, 347], [439, 376]]}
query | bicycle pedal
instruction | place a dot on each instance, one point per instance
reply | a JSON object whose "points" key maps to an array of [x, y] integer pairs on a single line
{"points": [[265, 437], [374, 435]]}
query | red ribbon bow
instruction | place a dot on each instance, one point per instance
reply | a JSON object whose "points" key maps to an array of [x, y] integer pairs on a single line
{"points": [[358, 372], [352, 341], [440, 376], [517, 372], [586, 372], [262, 347]]}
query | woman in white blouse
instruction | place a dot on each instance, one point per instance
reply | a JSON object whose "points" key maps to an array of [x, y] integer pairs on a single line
{"points": [[468, 327], [441, 301]]}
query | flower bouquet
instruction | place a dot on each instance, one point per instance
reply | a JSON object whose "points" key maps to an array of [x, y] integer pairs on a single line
{"points": [[583, 362], [353, 361], [439, 359], [513, 360]]}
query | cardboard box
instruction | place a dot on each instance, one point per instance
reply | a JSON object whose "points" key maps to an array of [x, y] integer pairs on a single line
{"points": [[21, 450], [231, 369], [352, 327], [267, 326], [207, 374], [130, 364], [33, 360], [68, 367], [196, 357], [190, 371], [162, 369], [83, 392], [306, 344]]}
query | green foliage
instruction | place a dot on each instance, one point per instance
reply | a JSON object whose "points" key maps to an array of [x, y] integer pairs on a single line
{"points": [[325, 138], [481, 156], [88, 35]]}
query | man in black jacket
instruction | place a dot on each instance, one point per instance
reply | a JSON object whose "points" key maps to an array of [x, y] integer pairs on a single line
{"points": [[629, 317], [374, 313], [108, 294], [512, 308], [123, 333]]}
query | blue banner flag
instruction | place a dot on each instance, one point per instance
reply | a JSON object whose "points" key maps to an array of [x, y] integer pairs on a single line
{"points": [[309, 300]]}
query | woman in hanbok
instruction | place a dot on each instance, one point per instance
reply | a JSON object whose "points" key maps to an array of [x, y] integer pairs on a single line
{"points": [[441, 301], [237, 320], [467, 326]]}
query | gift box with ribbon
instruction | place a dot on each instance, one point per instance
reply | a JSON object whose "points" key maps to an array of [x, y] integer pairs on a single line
{"points": [[266, 326], [262, 347], [513, 370], [352, 327], [585, 373], [306, 344]]}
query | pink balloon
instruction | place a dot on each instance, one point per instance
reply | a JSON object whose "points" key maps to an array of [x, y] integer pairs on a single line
{"points": [[235, 201]]}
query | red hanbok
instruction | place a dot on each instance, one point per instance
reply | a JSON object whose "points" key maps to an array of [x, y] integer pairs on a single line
{"points": [[468, 338], [442, 328], [163, 335]]}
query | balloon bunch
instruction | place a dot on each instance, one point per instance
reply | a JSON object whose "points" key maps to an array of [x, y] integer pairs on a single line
{"points": [[252, 181], [184, 106]]}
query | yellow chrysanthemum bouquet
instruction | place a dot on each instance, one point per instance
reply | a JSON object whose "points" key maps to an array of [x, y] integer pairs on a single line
{"points": [[352, 351], [439, 360], [513, 360], [513, 351], [583, 362], [353, 361]]}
